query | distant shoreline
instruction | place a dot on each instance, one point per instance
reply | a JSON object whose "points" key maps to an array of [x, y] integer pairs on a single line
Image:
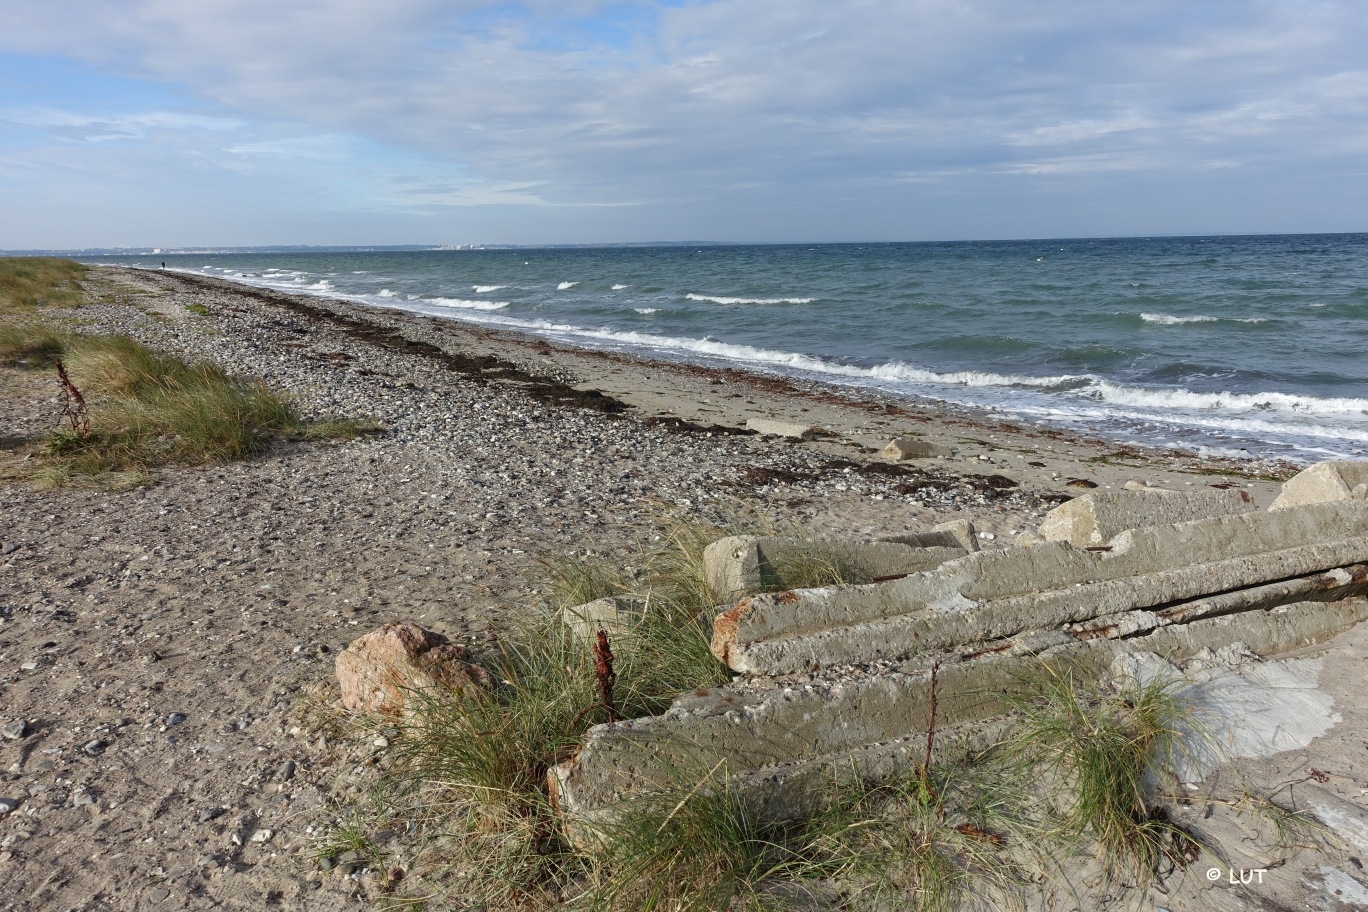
{"points": [[854, 421]]}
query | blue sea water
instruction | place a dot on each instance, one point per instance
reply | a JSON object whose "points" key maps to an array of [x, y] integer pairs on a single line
{"points": [[1229, 344]]}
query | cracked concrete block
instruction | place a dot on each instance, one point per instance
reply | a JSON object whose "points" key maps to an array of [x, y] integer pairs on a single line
{"points": [[1324, 481], [958, 533], [993, 594], [769, 428], [613, 615], [912, 448], [1094, 519], [770, 733], [741, 564]]}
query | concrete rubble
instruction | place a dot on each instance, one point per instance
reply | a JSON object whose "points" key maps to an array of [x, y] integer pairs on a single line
{"points": [[748, 563], [613, 615], [836, 681], [912, 448], [1324, 481], [770, 428], [1094, 519]]}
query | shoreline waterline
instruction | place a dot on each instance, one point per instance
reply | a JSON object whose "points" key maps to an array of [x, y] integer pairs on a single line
{"points": [[1221, 414]]}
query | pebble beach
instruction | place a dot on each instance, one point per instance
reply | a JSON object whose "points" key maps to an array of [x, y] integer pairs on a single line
{"points": [[165, 645]]}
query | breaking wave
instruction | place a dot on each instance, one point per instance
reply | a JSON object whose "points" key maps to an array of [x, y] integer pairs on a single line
{"points": [[714, 299]]}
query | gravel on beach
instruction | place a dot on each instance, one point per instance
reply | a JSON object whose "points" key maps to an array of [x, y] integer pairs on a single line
{"points": [[159, 646]]}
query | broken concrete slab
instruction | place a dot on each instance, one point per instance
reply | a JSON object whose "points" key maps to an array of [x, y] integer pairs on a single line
{"points": [[769, 731], [770, 428], [1094, 519], [1324, 481], [912, 448], [749, 563], [994, 594], [613, 615], [956, 533]]}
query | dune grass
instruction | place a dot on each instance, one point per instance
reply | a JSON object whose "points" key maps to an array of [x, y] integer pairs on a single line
{"points": [[1109, 745], [28, 283], [31, 346], [146, 409]]}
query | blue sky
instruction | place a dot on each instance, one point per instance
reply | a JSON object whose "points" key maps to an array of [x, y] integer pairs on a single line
{"points": [[236, 122]]}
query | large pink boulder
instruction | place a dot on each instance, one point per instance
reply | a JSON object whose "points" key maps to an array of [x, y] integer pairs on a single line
{"points": [[379, 672]]}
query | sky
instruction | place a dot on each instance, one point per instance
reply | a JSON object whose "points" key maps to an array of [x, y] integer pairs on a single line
{"points": [[254, 122]]}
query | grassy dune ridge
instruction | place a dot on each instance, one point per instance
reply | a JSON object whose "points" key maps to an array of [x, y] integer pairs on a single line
{"points": [[141, 408], [28, 283]]}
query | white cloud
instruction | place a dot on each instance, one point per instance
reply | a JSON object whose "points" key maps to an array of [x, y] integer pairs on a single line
{"points": [[543, 103]]}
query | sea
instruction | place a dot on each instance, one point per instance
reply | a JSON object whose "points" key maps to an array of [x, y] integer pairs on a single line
{"points": [[1232, 346]]}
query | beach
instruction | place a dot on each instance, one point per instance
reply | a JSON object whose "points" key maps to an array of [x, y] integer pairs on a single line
{"points": [[166, 645]]}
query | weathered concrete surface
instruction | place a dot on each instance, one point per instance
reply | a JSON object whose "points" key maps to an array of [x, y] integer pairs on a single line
{"points": [[773, 736], [912, 448], [613, 615], [994, 594], [379, 671], [1324, 481], [1094, 519], [771, 428], [749, 563], [958, 533]]}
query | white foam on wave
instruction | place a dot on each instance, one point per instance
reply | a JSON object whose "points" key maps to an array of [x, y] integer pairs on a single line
{"points": [[463, 304], [486, 289], [620, 287], [646, 310], [895, 371], [321, 285], [386, 293], [715, 299], [1189, 401], [1170, 320], [564, 285]]}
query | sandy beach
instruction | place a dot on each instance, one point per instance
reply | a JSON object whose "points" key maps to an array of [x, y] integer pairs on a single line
{"points": [[164, 643]]}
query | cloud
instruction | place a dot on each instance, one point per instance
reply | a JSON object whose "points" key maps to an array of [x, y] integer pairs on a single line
{"points": [[589, 103]]}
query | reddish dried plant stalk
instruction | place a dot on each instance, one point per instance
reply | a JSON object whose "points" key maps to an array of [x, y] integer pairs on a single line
{"points": [[603, 671], [74, 408]]}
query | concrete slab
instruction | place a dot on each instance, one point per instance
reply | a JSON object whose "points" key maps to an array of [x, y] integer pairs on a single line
{"points": [[769, 428], [743, 564], [765, 730], [912, 448], [1094, 519], [993, 594], [1324, 481], [612, 615]]}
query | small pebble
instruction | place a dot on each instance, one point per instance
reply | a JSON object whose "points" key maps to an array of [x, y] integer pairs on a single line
{"points": [[263, 835], [209, 814], [285, 772], [326, 864], [7, 805], [95, 747], [175, 719], [15, 730], [159, 895], [28, 666]]}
